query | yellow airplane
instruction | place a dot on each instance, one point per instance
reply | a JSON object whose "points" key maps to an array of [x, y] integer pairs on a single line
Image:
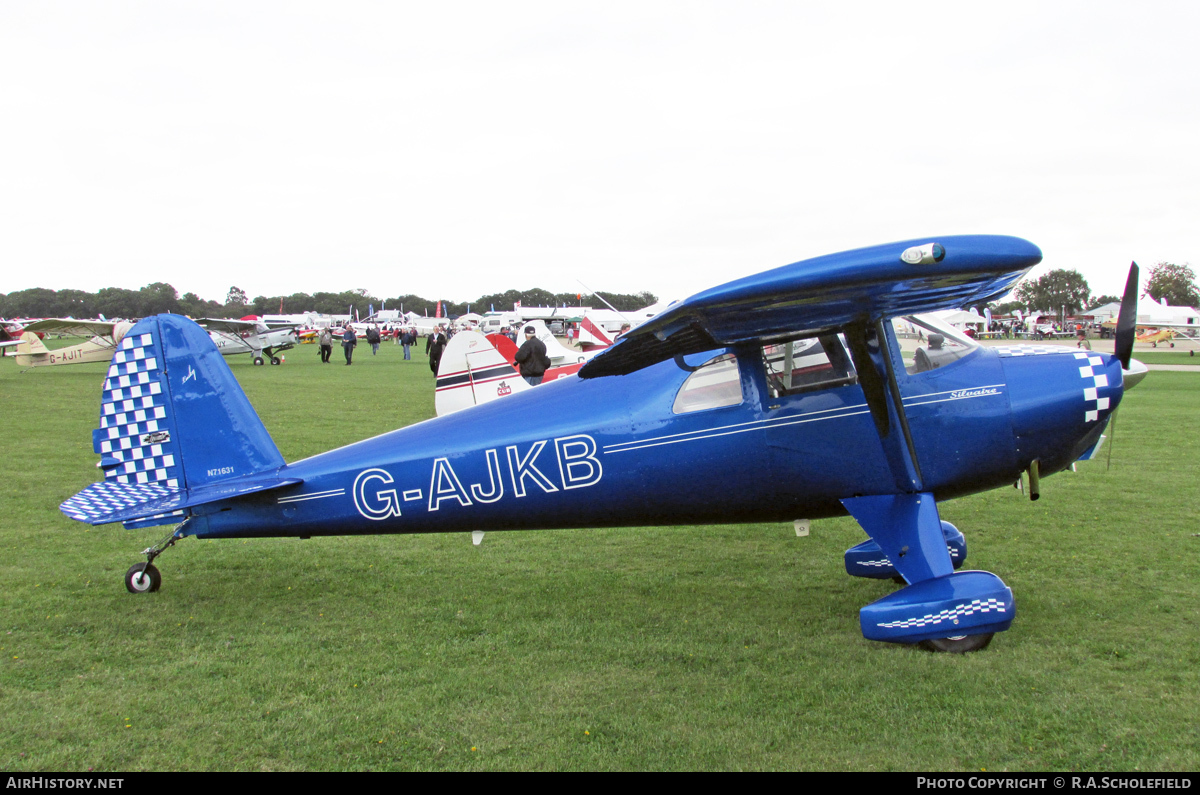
{"points": [[105, 336], [230, 336], [1156, 335]]}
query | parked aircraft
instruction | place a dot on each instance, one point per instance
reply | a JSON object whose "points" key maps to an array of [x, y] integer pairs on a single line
{"points": [[1160, 322], [594, 337], [104, 335], [10, 335], [475, 369], [231, 337], [250, 335], [781, 396], [558, 354], [8, 339], [508, 349]]}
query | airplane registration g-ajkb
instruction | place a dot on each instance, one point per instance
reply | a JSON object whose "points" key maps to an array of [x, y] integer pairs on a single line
{"points": [[803, 392]]}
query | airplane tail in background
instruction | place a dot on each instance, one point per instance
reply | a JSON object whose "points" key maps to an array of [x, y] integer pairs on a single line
{"points": [[32, 351], [592, 336], [175, 431], [471, 372], [506, 347]]}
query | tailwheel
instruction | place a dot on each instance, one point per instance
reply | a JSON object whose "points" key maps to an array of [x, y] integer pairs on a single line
{"points": [[142, 578], [959, 644]]}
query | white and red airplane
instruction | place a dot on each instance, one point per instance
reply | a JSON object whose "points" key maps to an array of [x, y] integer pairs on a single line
{"points": [[476, 369]]}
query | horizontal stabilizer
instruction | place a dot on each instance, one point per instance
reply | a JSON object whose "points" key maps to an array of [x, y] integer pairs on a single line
{"points": [[110, 501]]}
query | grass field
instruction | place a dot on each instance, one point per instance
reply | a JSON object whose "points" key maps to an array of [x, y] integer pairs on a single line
{"points": [[733, 647]]}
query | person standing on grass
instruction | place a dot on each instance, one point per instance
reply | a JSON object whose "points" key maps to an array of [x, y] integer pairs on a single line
{"points": [[373, 339], [407, 337], [325, 338], [437, 344], [349, 340]]}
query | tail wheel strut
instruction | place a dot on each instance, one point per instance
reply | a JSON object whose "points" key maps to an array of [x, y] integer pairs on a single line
{"points": [[145, 577]]}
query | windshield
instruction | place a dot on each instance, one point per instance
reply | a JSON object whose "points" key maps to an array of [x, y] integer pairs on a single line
{"points": [[927, 343]]}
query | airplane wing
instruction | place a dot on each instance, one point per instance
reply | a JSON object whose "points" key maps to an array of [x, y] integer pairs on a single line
{"points": [[228, 326], [826, 293], [74, 328]]}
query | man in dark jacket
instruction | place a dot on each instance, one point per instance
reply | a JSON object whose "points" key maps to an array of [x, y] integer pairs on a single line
{"points": [[349, 340], [435, 346], [532, 358]]}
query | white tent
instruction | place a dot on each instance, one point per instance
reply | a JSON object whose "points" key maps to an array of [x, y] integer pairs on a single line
{"points": [[960, 318]]}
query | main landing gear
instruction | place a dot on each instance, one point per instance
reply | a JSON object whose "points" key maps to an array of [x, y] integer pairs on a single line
{"points": [[939, 608], [145, 577], [959, 644]]}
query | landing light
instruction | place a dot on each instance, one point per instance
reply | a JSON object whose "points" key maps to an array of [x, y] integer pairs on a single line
{"points": [[924, 255]]}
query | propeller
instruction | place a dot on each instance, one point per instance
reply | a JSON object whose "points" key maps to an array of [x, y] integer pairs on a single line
{"points": [[1132, 371], [1127, 318]]}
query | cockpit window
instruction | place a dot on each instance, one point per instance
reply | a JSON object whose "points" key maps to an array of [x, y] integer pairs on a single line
{"points": [[807, 364], [928, 343], [714, 384]]}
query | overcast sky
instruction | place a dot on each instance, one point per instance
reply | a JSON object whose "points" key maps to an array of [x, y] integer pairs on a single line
{"points": [[453, 149]]}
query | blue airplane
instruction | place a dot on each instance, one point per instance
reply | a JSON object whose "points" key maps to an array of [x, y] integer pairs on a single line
{"points": [[811, 390]]}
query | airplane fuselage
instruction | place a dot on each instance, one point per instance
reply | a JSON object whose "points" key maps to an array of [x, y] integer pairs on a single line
{"points": [[231, 344], [611, 452]]}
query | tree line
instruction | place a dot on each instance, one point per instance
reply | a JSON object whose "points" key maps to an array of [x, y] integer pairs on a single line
{"points": [[1067, 290], [153, 299], [1051, 293]]}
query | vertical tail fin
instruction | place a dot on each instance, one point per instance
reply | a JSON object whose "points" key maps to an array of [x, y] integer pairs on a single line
{"points": [[32, 351], [592, 336], [471, 372], [173, 420]]}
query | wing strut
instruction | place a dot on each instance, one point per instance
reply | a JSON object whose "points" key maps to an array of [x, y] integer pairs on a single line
{"points": [[877, 375]]}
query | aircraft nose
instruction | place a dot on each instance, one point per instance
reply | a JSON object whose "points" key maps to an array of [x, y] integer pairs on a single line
{"points": [[1060, 400]]}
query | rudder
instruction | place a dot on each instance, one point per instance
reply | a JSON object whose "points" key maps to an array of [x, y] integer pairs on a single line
{"points": [[31, 350], [173, 419]]}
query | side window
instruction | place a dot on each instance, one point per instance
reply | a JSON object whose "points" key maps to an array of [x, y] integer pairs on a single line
{"points": [[807, 364], [927, 344], [715, 384]]}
